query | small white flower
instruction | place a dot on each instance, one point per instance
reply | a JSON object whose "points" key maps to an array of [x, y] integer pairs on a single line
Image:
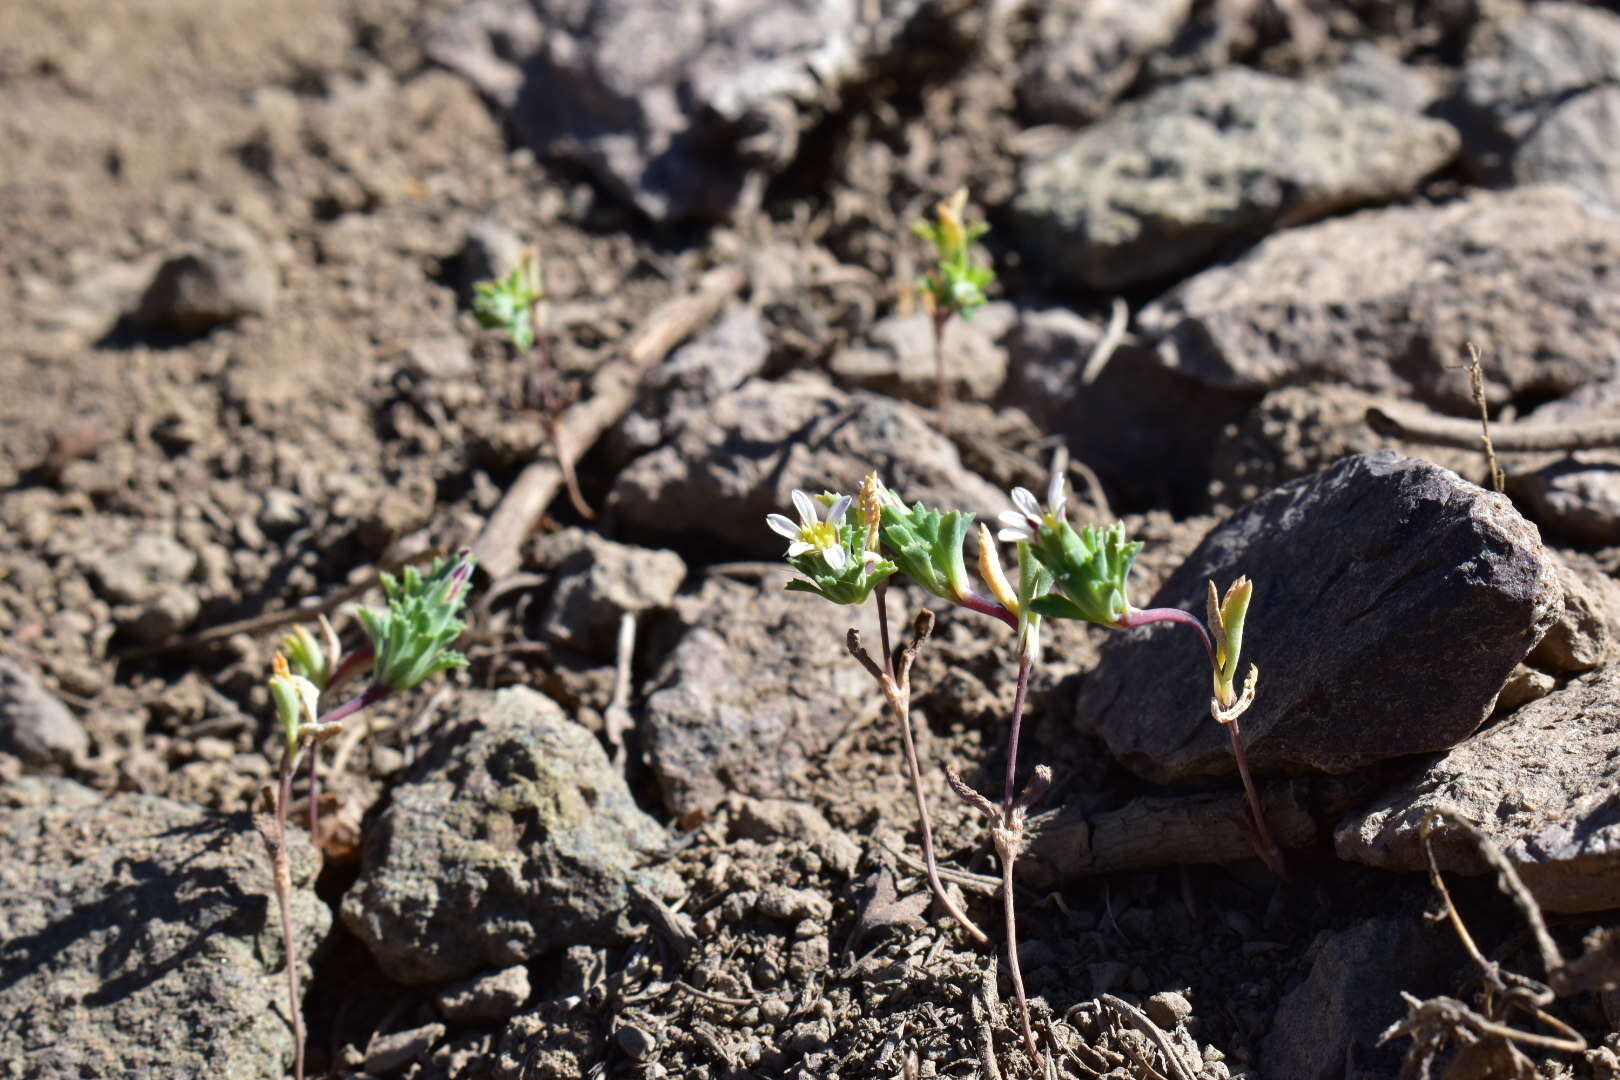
{"points": [[1025, 523], [811, 533]]}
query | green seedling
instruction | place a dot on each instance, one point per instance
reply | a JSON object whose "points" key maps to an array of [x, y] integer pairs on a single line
{"points": [[409, 643], [512, 304], [956, 285]]}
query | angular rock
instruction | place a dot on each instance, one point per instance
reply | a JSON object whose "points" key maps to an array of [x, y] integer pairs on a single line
{"points": [[1172, 181], [1392, 599], [135, 572], [35, 727], [1542, 785], [1328, 1027], [1387, 300], [899, 359], [512, 836], [600, 580], [142, 939], [485, 999], [740, 460], [1587, 630], [684, 387], [1540, 99], [1088, 54], [753, 695], [681, 109], [224, 273]]}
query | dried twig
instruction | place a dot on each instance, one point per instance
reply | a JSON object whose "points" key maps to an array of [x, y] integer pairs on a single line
{"points": [[1476, 381], [1118, 317], [1420, 425], [613, 390], [1143, 1023]]}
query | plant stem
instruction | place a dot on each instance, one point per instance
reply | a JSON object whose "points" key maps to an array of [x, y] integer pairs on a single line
{"points": [[1007, 844], [1137, 617], [370, 696], [942, 392], [350, 664], [1010, 789], [882, 593], [283, 884], [553, 410], [974, 602], [1269, 852]]}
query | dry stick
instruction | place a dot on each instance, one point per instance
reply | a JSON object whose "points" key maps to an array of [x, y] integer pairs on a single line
{"points": [[1143, 1023], [1112, 338], [1476, 381], [896, 686], [613, 391], [1420, 425]]}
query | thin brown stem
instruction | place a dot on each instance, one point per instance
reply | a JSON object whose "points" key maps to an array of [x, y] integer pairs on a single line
{"points": [[1268, 849], [553, 410], [283, 885], [1009, 857], [314, 790], [882, 594], [1010, 789]]}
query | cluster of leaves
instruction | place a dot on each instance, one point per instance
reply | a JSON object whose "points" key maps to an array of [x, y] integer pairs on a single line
{"points": [[958, 284], [509, 303]]}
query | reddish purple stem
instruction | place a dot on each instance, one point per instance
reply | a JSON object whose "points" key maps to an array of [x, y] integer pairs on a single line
{"points": [[974, 602], [1010, 789], [1138, 617]]}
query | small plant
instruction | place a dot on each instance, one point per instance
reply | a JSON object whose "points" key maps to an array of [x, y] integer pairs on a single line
{"points": [[409, 643], [956, 286], [1062, 573], [512, 304]]}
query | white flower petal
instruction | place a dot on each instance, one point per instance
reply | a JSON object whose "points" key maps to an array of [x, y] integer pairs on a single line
{"points": [[870, 557], [1025, 501], [782, 526], [836, 512], [799, 547], [1013, 519], [1056, 496], [836, 558], [806, 506], [1013, 535]]}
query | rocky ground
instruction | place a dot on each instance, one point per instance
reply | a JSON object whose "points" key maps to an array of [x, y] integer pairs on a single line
{"points": [[660, 826]]}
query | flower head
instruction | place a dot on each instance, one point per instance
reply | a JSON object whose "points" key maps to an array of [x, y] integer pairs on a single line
{"points": [[1026, 523], [812, 533]]}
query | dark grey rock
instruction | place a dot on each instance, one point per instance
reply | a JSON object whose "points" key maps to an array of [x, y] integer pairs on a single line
{"points": [[1542, 785], [742, 458], [898, 358], [35, 727], [1087, 54], [488, 998], [681, 109], [1328, 1027], [754, 693], [512, 836], [1170, 182], [1392, 599], [601, 580], [223, 274], [1540, 99], [1387, 300], [142, 938], [390, 1053]]}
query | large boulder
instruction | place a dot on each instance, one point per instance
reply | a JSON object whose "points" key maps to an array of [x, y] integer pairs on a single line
{"points": [[1392, 599], [142, 938], [1544, 787], [1388, 300], [1171, 182], [512, 836]]}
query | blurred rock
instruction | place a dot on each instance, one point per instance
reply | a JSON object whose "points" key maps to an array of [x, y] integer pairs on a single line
{"points": [[1575, 497], [142, 939], [1175, 180], [34, 726], [898, 358], [223, 274], [600, 580], [489, 251], [1525, 685], [1369, 74], [754, 694], [1541, 785], [489, 998], [1087, 54], [1386, 301], [682, 110], [1328, 1027], [1540, 99], [1392, 599], [511, 836], [148, 580], [738, 460], [717, 361]]}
